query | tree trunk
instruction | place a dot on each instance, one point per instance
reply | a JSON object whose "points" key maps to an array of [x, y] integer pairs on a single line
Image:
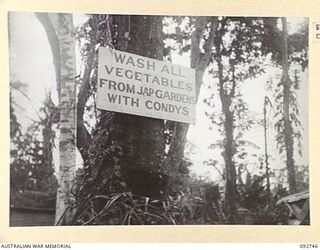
{"points": [[266, 156], [136, 144], [229, 145], [141, 140], [199, 61], [48, 136], [67, 105], [231, 174], [146, 40], [288, 130]]}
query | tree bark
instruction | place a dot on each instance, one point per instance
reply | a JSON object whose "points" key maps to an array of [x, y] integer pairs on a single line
{"points": [[67, 105], [229, 145], [288, 130], [266, 156], [137, 143], [83, 136], [231, 174]]}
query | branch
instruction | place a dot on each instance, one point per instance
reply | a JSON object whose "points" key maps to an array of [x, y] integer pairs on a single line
{"points": [[234, 83], [83, 136], [27, 97], [200, 60], [54, 44], [205, 57]]}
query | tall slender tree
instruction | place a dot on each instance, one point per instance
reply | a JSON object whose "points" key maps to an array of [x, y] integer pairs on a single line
{"points": [[60, 33], [288, 131], [236, 57], [200, 54], [293, 60], [67, 106]]}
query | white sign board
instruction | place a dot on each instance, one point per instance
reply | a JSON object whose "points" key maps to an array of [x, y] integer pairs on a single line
{"points": [[143, 86]]}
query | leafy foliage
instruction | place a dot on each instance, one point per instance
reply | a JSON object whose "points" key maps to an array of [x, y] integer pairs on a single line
{"points": [[293, 114], [120, 209], [30, 170], [200, 202]]}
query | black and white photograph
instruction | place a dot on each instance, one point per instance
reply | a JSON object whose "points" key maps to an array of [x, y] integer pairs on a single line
{"points": [[119, 119]]}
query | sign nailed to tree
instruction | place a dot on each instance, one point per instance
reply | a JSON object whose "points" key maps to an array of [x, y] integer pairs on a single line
{"points": [[138, 85]]}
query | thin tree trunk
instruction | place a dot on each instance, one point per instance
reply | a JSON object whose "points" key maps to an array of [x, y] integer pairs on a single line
{"points": [[199, 61], [47, 133], [67, 105], [83, 136], [266, 148], [288, 130], [231, 174], [229, 150]]}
